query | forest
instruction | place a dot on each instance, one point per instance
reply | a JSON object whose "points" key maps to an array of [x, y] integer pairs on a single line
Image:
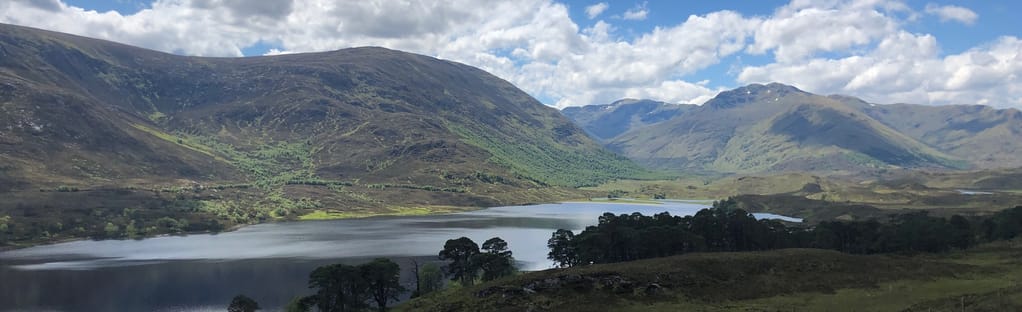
{"points": [[725, 227]]}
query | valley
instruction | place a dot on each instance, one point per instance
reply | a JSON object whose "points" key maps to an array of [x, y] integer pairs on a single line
{"points": [[287, 177]]}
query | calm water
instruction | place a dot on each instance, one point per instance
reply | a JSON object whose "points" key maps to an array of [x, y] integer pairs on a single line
{"points": [[269, 262]]}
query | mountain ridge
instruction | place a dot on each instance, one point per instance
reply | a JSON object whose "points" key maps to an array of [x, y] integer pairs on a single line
{"points": [[776, 127], [605, 121], [93, 128]]}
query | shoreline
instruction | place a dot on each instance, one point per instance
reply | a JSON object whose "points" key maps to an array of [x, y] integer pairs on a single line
{"points": [[401, 211], [446, 209]]}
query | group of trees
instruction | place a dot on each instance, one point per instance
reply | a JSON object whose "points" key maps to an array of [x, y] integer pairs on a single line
{"points": [[467, 262], [342, 287], [724, 227]]}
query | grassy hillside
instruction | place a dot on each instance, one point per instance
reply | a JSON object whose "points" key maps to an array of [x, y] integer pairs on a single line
{"points": [[96, 135], [986, 137], [984, 279], [774, 127]]}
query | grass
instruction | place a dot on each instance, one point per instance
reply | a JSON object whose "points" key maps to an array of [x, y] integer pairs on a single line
{"points": [[551, 163], [624, 201], [390, 211], [780, 280], [180, 141], [709, 187]]}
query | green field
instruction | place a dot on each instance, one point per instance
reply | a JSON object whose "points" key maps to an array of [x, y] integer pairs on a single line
{"points": [[984, 278]]}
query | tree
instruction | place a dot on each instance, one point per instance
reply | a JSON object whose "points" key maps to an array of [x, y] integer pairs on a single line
{"points": [[339, 288], [111, 229], [460, 252], [562, 249], [496, 260], [382, 277], [432, 278], [299, 304], [496, 246], [3, 223], [962, 233], [242, 303], [418, 279]]}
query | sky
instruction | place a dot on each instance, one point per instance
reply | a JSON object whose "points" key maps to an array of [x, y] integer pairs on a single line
{"points": [[571, 53]]}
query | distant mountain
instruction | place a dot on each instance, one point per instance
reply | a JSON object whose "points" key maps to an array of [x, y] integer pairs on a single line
{"points": [[776, 127], [984, 136], [607, 121], [378, 127]]}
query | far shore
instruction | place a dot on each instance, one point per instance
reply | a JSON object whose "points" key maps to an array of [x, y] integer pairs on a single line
{"points": [[396, 211]]}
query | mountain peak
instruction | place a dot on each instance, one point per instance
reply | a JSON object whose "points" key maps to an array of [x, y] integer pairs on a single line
{"points": [[750, 93]]}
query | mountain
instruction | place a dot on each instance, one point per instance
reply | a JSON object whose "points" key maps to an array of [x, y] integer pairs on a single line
{"points": [[95, 128], [607, 121], [776, 127], [984, 136]]}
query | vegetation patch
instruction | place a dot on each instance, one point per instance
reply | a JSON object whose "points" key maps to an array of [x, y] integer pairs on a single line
{"points": [[554, 164], [389, 211]]}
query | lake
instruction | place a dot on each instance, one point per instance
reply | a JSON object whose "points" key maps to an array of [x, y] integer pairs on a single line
{"points": [[271, 262]]}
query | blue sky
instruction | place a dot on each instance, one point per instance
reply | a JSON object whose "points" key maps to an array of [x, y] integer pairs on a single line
{"points": [[567, 53]]}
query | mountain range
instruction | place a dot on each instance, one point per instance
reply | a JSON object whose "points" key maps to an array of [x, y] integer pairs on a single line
{"points": [[91, 127], [606, 121], [78, 109], [107, 140], [776, 127]]}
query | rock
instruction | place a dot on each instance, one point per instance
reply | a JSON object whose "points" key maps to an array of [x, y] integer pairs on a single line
{"points": [[654, 289], [617, 284]]}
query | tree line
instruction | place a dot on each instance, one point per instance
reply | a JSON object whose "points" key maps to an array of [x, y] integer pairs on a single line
{"points": [[725, 227], [626, 237], [342, 287]]}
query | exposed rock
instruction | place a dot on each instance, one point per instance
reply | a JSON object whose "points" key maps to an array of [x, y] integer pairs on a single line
{"points": [[654, 289]]}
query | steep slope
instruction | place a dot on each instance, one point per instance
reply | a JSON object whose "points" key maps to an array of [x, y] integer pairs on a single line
{"points": [[607, 121], [982, 135], [775, 128], [378, 127]]}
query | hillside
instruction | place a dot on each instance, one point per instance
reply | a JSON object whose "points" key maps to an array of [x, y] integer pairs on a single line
{"points": [[94, 130], [980, 278], [776, 127], [607, 121], [984, 136]]}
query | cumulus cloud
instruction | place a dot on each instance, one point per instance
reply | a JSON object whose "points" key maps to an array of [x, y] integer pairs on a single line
{"points": [[595, 10], [797, 32], [906, 68], [637, 13], [856, 47], [952, 13]]}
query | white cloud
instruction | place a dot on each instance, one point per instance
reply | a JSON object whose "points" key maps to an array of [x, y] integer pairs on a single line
{"points": [[857, 47], [796, 32], [906, 68], [595, 10], [952, 13], [637, 13]]}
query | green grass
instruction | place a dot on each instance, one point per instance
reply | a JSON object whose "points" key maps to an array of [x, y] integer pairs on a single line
{"points": [[268, 164], [550, 163], [781, 280], [624, 201], [179, 140], [389, 211]]}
